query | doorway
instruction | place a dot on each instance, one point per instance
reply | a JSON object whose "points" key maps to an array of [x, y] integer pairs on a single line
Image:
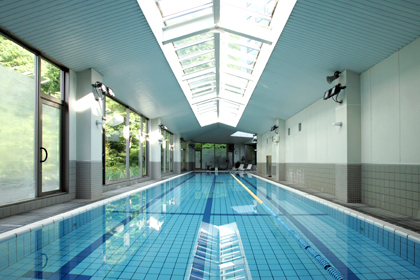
{"points": [[49, 168]]}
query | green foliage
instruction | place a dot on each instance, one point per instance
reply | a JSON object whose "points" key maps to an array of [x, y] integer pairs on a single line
{"points": [[13, 55], [50, 79], [23, 61], [115, 144], [194, 50]]}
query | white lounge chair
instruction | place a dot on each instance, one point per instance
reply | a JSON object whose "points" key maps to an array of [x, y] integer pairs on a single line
{"points": [[241, 167], [249, 167]]}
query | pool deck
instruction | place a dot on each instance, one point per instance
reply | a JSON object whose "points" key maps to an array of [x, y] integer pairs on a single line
{"points": [[19, 220]]}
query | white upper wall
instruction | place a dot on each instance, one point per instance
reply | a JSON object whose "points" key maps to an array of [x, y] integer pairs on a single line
{"points": [[318, 141], [390, 112]]}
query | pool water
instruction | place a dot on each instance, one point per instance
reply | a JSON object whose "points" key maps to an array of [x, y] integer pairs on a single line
{"points": [[201, 226]]}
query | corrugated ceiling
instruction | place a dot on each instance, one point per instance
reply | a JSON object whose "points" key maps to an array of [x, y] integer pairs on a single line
{"points": [[114, 38]]}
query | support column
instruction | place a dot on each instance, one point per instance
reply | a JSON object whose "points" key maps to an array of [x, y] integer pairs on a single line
{"points": [[279, 152], [177, 153], [348, 171], [155, 153], [89, 137]]}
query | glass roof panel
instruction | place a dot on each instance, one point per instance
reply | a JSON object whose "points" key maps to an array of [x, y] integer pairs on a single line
{"points": [[199, 67], [194, 60], [259, 12], [193, 39], [205, 80], [195, 49], [242, 134], [170, 7], [215, 68], [189, 16]]}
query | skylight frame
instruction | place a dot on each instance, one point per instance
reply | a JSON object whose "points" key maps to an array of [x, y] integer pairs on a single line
{"points": [[232, 83]]}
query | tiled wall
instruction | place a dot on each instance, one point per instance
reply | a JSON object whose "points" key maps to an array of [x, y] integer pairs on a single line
{"points": [[348, 182], [316, 176], [72, 176], [89, 179], [15, 249], [393, 187], [25, 206]]}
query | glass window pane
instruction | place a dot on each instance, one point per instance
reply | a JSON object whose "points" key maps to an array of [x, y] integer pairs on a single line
{"points": [[199, 67], [162, 152], [115, 142], [50, 79], [189, 16], [51, 142], [169, 7], [134, 144], [197, 59], [168, 151], [220, 153], [210, 79], [183, 153], [17, 117], [208, 155], [195, 49], [144, 156]]}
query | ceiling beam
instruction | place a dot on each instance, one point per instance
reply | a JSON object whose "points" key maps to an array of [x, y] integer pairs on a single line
{"points": [[187, 29], [248, 30]]}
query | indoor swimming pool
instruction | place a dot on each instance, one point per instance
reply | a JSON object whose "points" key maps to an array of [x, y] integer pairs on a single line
{"points": [[211, 226]]}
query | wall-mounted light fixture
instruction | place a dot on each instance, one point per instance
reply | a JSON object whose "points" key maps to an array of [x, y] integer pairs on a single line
{"points": [[332, 78], [275, 129], [102, 90], [162, 126], [102, 122], [334, 91], [337, 124], [254, 138]]}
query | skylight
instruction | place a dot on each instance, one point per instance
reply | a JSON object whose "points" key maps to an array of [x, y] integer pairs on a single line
{"points": [[217, 49], [242, 134]]}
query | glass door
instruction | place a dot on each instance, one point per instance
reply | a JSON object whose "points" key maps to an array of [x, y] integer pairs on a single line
{"points": [[198, 159], [230, 162], [49, 147]]}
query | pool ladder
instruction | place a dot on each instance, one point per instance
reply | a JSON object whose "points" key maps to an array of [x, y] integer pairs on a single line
{"points": [[219, 254]]}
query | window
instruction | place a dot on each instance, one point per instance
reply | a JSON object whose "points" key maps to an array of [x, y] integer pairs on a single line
{"points": [[166, 152], [125, 143], [27, 121], [115, 141]]}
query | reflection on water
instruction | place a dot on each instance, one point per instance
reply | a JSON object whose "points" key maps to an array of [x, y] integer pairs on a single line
{"points": [[219, 254]]}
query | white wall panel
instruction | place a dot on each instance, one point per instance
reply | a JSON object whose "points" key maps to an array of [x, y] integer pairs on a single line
{"points": [[319, 140], [72, 115], [366, 111], [385, 111], [410, 102], [321, 130], [311, 127]]}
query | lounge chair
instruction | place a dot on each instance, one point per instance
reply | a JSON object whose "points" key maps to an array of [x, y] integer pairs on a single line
{"points": [[241, 167], [249, 167]]}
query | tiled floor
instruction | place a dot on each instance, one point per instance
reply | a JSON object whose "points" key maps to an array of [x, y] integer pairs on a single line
{"points": [[130, 248]]}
